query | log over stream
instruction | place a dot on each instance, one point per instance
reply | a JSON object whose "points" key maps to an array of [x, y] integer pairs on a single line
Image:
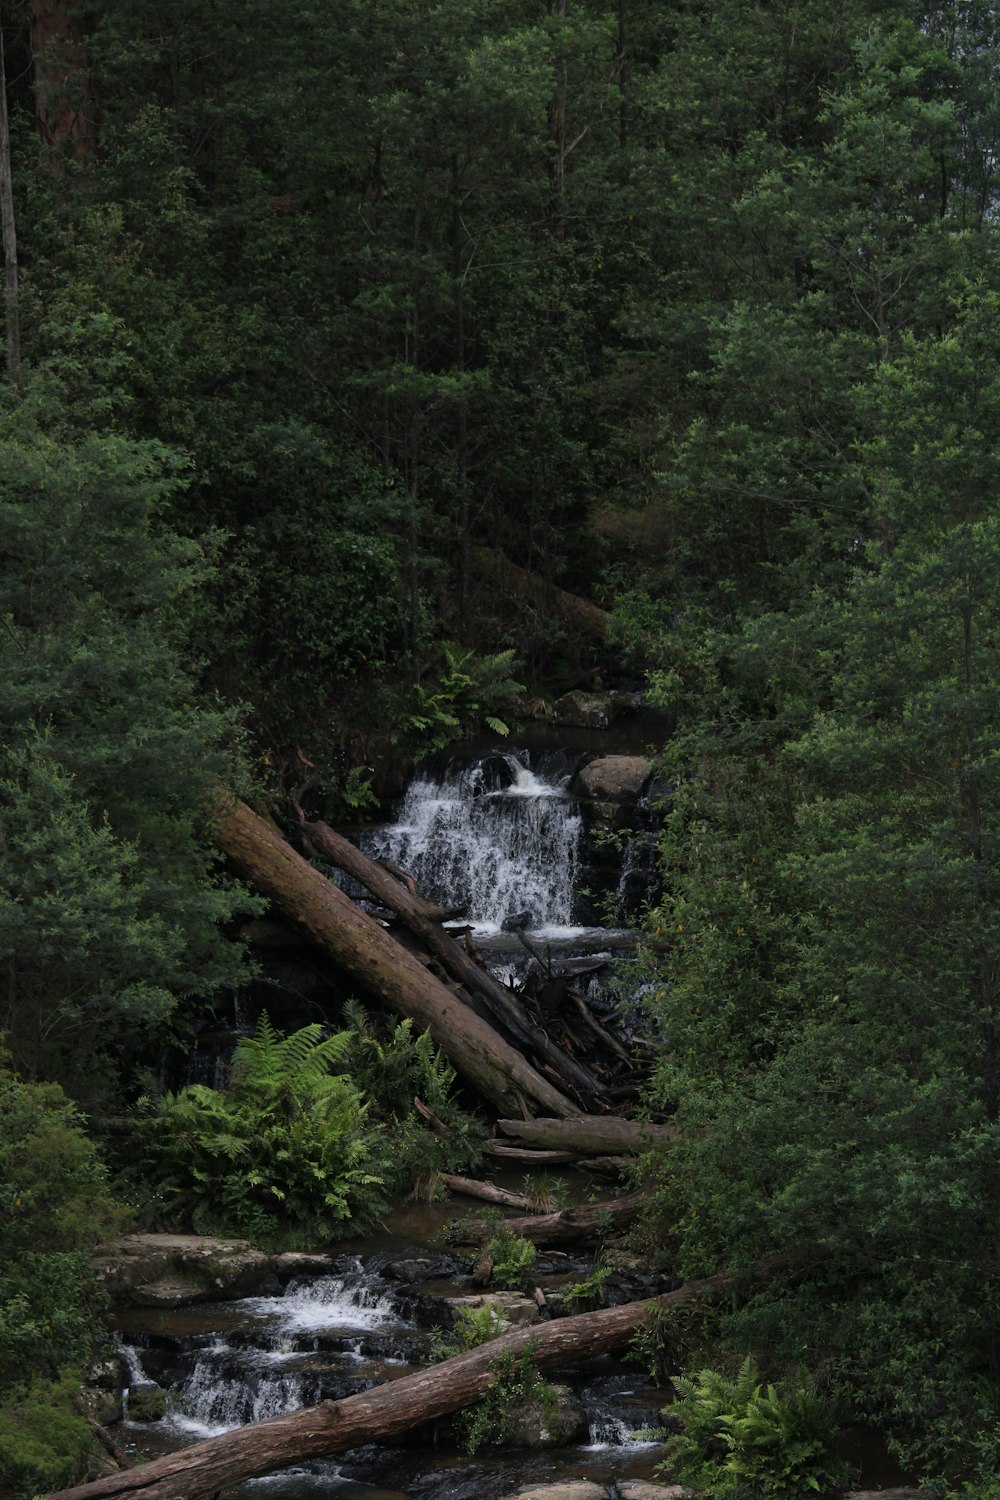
{"points": [[208, 1467]]}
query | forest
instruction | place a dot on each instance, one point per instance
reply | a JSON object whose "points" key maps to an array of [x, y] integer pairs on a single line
{"points": [[374, 369]]}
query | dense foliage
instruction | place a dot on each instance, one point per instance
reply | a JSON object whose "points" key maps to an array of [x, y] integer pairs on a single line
{"points": [[54, 1208], [329, 316], [297, 1149]]}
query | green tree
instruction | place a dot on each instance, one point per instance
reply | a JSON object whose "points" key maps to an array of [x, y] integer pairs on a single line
{"points": [[111, 901], [54, 1209]]}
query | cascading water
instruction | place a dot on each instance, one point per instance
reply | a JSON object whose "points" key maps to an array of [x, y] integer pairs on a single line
{"points": [[304, 1346], [495, 833]]}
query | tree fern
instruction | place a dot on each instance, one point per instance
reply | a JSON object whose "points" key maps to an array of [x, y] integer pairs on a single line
{"points": [[299, 1062]]}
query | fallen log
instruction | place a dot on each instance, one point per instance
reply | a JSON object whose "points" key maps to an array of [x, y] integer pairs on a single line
{"points": [[487, 1191], [529, 1157], [423, 919], [373, 957], [583, 1224], [586, 619], [590, 1135], [207, 1467]]}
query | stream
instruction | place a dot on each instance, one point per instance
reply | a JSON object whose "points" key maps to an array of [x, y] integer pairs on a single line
{"points": [[502, 830], [226, 1364]]}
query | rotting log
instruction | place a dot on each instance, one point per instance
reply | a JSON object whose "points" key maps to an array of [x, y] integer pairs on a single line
{"points": [[590, 1135], [584, 1223], [487, 1191], [372, 956], [424, 921], [586, 618], [386, 1411]]}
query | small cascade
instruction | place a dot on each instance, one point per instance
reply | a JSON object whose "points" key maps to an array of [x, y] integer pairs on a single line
{"points": [[495, 833], [318, 1340], [223, 1392], [618, 1414]]}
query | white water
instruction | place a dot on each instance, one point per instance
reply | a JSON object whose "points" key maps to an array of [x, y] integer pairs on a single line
{"points": [[511, 850], [231, 1385]]}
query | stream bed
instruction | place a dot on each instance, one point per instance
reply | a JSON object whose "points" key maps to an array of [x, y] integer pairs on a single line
{"points": [[371, 1319]]}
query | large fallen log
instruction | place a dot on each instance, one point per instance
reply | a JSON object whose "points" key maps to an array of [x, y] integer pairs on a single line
{"points": [[423, 919], [375, 1415], [586, 619], [584, 1223], [373, 957], [590, 1135]]}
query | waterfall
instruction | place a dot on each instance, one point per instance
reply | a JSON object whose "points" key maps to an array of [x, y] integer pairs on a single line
{"points": [[496, 834]]}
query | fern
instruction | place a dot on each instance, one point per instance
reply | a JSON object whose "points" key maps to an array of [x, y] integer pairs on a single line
{"points": [[285, 1154]]}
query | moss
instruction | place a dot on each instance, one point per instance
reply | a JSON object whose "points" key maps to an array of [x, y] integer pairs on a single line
{"points": [[44, 1442]]}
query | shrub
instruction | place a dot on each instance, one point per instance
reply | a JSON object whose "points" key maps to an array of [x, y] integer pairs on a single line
{"points": [[285, 1154], [44, 1443], [392, 1070], [740, 1439], [516, 1384], [513, 1259]]}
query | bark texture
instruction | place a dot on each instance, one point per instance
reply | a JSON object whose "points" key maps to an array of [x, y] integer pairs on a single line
{"points": [[424, 920], [371, 956], [584, 1224], [376, 1415], [589, 1135]]}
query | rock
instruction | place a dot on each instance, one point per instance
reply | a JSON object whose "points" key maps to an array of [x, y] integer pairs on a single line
{"points": [[178, 1270], [585, 710], [644, 1489], [101, 1399], [614, 778], [897, 1494], [532, 1426], [517, 920], [294, 1263], [147, 1403], [570, 1489], [418, 1268], [516, 1309]]}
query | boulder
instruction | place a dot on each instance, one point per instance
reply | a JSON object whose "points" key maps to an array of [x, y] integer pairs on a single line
{"points": [[585, 710], [567, 1489], [292, 1263], [537, 1425], [614, 778], [515, 1307], [178, 1270], [645, 1489], [517, 921], [891, 1494]]}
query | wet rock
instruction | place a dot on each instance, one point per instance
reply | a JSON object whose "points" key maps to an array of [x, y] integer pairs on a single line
{"points": [[147, 1403], [515, 1307], [899, 1494], [614, 778], [645, 1489], [570, 1489], [419, 1268], [177, 1270], [102, 1396], [517, 921], [495, 774], [294, 1263], [542, 1425], [585, 710]]}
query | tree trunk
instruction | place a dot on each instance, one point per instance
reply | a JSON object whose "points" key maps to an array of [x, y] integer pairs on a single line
{"points": [[586, 1223], [368, 953], [9, 234], [590, 1135], [487, 1191], [421, 918], [585, 618], [64, 107], [383, 1413]]}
